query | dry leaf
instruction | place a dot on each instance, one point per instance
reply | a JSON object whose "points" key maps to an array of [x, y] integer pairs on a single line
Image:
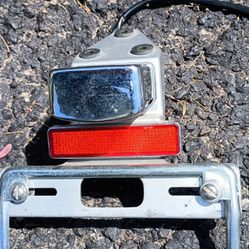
{"points": [[5, 150]]}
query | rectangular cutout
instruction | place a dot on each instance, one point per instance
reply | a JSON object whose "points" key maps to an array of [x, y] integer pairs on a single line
{"points": [[112, 192]]}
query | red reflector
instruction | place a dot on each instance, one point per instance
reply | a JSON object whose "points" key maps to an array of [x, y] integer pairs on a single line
{"points": [[114, 141]]}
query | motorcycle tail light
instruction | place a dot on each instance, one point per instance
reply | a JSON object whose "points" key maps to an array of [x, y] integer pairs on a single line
{"points": [[114, 141]]}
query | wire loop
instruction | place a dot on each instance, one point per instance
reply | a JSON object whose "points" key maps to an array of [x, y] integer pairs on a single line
{"points": [[155, 4]]}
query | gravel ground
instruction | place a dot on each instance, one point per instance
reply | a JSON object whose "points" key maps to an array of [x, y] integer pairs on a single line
{"points": [[206, 75]]}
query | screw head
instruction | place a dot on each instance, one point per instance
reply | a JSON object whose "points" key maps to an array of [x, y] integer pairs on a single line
{"points": [[210, 192], [124, 32], [142, 49], [19, 192], [89, 53]]}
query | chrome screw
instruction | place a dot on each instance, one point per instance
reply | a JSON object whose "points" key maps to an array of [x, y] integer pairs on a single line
{"points": [[124, 32], [18, 192], [89, 53], [142, 49], [210, 192]]}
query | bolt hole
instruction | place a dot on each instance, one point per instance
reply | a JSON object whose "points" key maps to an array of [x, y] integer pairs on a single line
{"points": [[43, 191], [184, 191]]}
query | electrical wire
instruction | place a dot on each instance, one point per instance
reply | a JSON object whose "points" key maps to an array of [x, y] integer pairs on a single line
{"points": [[155, 4]]}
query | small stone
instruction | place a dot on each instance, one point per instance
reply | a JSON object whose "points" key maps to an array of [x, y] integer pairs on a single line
{"points": [[97, 244], [12, 36], [79, 231], [29, 12], [17, 125], [59, 245], [200, 113], [177, 56], [245, 205], [172, 244], [14, 24], [13, 85], [190, 126], [39, 231], [193, 52], [111, 233], [204, 131], [243, 89], [129, 245], [212, 61], [190, 146], [61, 230], [71, 239], [41, 22], [213, 117], [164, 233], [182, 93], [150, 245], [7, 114]]}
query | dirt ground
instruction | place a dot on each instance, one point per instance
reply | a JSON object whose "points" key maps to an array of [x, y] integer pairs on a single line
{"points": [[207, 92]]}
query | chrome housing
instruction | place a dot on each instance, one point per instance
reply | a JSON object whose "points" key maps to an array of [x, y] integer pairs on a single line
{"points": [[96, 94]]}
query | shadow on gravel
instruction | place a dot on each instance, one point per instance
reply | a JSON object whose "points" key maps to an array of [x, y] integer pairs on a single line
{"points": [[201, 228], [37, 150]]}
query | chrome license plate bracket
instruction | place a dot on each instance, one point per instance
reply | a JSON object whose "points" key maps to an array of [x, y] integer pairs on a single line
{"points": [[219, 194]]}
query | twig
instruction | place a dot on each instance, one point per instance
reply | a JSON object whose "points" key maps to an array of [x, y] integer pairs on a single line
{"points": [[84, 6], [205, 108], [172, 97], [23, 37], [63, 7], [181, 102], [184, 109], [5, 43], [13, 132]]}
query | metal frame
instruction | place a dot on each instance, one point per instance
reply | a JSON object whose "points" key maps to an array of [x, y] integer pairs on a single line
{"points": [[117, 50], [157, 202]]}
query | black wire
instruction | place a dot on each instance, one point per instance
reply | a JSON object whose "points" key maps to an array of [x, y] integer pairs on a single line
{"points": [[154, 4]]}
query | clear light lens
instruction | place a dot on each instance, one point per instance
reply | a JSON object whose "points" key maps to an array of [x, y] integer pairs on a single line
{"points": [[96, 94]]}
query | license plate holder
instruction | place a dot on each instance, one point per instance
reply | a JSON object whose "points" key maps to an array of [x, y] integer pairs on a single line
{"points": [[157, 201]]}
